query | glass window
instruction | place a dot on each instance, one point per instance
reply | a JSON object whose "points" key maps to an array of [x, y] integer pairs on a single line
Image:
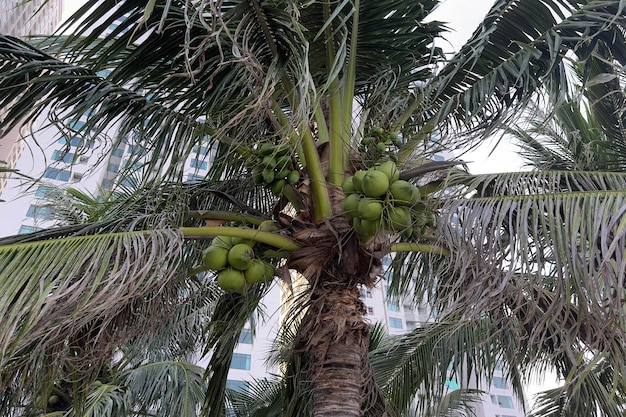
{"points": [[74, 141], [393, 306], [113, 167], [118, 152], [240, 361], [200, 150], [41, 213], [370, 311], [505, 401], [395, 323], [245, 336], [498, 366], [136, 150], [499, 382], [198, 164], [452, 384], [27, 229], [64, 156], [235, 385], [57, 174], [43, 191], [194, 177], [438, 158], [362, 292]]}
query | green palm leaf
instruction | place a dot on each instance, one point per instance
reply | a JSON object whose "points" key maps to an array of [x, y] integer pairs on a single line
{"points": [[76, 294]]}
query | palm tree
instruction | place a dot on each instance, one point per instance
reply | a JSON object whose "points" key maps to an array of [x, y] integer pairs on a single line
{"points": [[315, 84]]}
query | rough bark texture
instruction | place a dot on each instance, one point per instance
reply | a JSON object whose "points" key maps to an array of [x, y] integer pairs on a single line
{"points": [[338, 343], [333, 338]]}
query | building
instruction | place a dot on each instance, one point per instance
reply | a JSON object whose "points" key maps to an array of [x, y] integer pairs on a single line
{"points": [[21, 19]]}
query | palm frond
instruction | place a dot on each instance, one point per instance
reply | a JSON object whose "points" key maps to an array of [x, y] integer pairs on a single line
{"points": [[523, 241], [517, 45], [173, 388], [76, 295]]}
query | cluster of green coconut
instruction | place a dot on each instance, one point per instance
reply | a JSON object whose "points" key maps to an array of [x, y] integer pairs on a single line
{"points": [[376, 199], [234, 261], [378, 142], [274, 167]]}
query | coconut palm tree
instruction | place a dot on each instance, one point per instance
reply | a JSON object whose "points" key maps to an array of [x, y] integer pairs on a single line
{"points": [[299, 100]]}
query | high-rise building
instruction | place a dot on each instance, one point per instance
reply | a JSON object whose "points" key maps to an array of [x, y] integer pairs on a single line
{"points": [[18, 18]]}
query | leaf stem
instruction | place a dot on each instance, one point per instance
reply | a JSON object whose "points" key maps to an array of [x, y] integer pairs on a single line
{"points": [[419, 247], [268, 238]]}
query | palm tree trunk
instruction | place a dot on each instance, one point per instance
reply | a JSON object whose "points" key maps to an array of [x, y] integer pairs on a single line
{"points": [[336, 340]]}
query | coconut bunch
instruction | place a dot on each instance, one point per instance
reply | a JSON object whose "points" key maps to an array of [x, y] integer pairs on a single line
{"points": [[235, 263], [273, 167], [378, 142], [376, 199]]}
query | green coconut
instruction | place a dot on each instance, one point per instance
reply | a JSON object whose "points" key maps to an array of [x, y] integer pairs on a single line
{"points": [[390, 169], [347, 186], [232, 280], [399, 219], [375, 183], [357, 179], [215, 257], [350, 205], [257, 174], [240, 256], [277, 187], [293, 177], [259, 271], [225, 242], [370, 227], [268, 175], [369, 209], [404, 193], [268, 226], [267, 149]]}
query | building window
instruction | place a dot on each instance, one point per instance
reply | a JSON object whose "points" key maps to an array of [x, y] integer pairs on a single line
{"points": [[41, 213], [74, 141], [137, 150], [77, 176], [370, 311], [393, 306], [503, 401], [499, 382], [241, 361], [119, 152], [241, 386], [200, 150], [57, 174], [113, 167], [198, 164], [498, 366], [43, 191], [395, 323], [452, 384], [194, 177], [64, 156], [368, 293], [245, 336], [27, 229]]}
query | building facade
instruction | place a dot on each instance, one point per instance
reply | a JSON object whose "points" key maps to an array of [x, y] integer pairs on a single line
{"points": [[21, 19]]}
